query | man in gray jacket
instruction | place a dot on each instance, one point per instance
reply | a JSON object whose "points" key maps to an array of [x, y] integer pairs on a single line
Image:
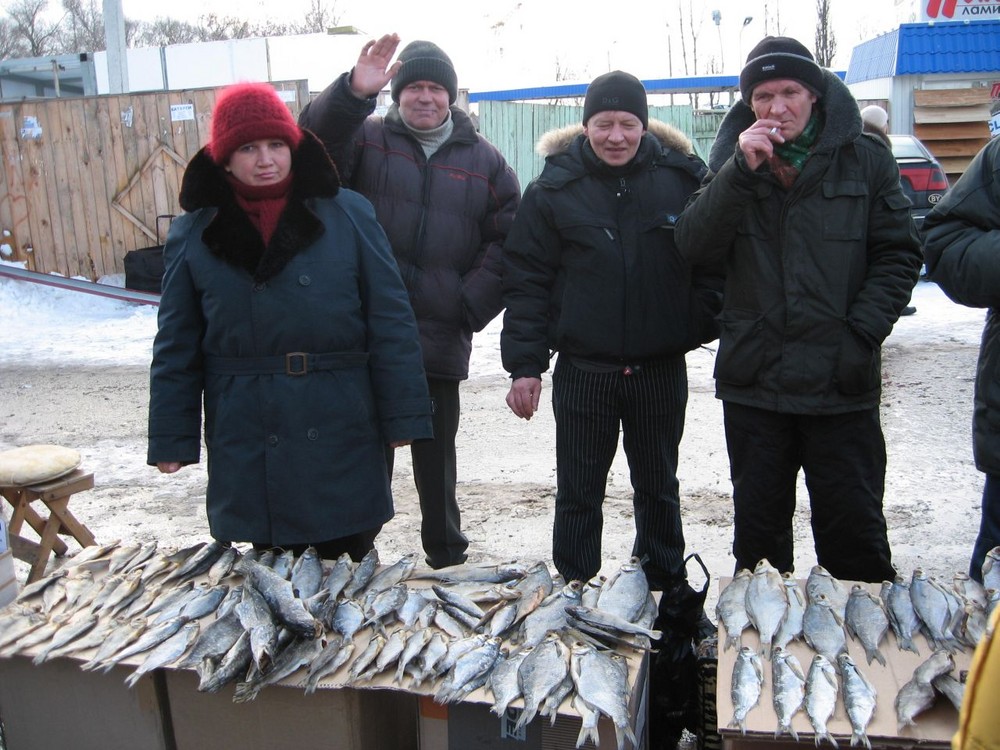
{"points": [[446, 198], [821, 256]]}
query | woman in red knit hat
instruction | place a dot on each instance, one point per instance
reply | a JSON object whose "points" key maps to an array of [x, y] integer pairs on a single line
{"points": [[284, 313]]}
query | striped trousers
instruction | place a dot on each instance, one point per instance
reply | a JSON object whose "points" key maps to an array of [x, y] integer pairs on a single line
{"points": [[647, 407]]}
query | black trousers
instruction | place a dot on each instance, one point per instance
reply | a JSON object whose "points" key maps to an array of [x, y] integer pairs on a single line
{"points": [[647, 406], [435, 476], [843, 457]]}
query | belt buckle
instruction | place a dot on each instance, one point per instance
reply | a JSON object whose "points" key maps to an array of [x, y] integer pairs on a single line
{"points": [[296, 363]]}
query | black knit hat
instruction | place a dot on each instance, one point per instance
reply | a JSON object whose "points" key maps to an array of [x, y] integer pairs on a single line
{"points": [[425, 61], [616, 91], [777, 57]]}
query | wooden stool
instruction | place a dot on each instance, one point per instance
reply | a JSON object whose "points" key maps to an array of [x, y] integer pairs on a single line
{"points": [[55, 495]]}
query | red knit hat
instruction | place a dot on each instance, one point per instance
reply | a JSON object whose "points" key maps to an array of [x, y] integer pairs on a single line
{"points": [[248, 112]]}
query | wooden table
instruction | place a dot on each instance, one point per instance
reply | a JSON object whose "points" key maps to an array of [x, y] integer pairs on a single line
{"points": [[55, 495]]}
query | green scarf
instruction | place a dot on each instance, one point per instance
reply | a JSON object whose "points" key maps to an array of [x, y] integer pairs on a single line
{"points": [[797, 151]]}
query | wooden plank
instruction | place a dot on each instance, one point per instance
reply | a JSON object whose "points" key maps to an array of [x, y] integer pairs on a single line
{"points": [[108, 130], [69, 175], [151, 190], [954, 166], [131, 162], [951, 97], [38, 183], [79, 111], [204, 103], [951, 131], [961, 147], [13, 183], [100, 209], [954, 115], [184, 132]]}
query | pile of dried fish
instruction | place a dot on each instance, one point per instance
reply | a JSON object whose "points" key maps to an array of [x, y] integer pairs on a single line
{"points": [[951, 618], [252, 621]]}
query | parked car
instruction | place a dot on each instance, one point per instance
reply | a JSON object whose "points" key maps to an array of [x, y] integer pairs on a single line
{"points": [[921, 176]]}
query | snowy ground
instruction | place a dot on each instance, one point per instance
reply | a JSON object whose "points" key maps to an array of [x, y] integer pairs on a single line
{"points": [[73, 371]]}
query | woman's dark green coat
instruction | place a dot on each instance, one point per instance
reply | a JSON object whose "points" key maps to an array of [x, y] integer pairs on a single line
{"points": [[293, 458]]}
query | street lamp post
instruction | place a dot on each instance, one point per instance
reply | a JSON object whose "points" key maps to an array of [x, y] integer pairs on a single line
{"points": [[717, 18], [746, 22]]}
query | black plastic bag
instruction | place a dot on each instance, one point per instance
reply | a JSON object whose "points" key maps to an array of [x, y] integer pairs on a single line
{"points": [[674, 678]]}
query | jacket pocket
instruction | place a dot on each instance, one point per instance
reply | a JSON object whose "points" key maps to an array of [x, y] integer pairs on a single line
{"points": [[858, 368], [741, 347]]}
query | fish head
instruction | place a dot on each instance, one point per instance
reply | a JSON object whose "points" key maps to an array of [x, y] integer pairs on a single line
{"points": [[845, 661], [763, 565]]}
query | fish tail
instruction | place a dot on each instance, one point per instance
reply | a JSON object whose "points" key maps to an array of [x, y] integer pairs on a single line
{"points": [[133, 678], [877, 655], [588, 733], [860, 738]]}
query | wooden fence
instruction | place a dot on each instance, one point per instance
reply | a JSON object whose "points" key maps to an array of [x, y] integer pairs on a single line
{"points": [[85, 179]]}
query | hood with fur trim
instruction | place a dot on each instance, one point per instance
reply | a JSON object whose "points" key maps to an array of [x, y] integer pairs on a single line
{"points": [[557, 141]]}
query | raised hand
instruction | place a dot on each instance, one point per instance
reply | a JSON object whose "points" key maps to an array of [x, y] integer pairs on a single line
{"points": [[373, 69]]}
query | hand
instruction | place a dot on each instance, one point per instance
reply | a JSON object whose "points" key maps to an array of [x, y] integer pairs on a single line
{"points": [[372, 71], [757, 141], [168, 467], [524, 395]]}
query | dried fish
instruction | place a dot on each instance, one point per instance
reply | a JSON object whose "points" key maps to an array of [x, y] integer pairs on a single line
{"points": [[859, 699], [788, 685], [821, 697], [867, 620], [766, 603], [748, 677], [731, 609], [166, 653]]}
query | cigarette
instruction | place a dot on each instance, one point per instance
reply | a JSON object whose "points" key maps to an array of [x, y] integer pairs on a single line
{"points": [[773, 131]]}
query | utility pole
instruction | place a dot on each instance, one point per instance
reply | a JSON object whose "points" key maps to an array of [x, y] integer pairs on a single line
{"points": [[114, 35]]}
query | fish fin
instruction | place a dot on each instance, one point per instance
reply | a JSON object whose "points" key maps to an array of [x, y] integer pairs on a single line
{"points": [[588, 733], [877, 656]]}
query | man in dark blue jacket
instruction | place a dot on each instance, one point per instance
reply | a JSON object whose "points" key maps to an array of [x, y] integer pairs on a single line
{"points": [[446, 198]]}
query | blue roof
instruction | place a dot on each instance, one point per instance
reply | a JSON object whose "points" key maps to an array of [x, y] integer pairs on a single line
{"points": [[687, 85], [928, 48]]}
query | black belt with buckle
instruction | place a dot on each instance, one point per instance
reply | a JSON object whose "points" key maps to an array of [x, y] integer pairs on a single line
{"points": [[294, 364]]}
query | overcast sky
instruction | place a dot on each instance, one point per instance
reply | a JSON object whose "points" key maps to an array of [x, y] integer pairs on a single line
{"points": [[544, 36]]}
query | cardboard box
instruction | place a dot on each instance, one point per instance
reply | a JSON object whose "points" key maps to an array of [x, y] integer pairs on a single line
{"points": [[284, 717], [471, 723], [934, 729], [56, 704]]}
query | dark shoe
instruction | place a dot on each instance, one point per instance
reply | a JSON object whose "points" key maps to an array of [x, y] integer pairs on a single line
{"points": [[908, 310]]}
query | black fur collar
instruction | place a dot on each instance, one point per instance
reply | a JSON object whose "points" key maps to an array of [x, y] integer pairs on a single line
{"points": [[232, 237]]}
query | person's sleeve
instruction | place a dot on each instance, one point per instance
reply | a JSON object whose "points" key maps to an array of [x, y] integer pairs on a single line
{"points": [[176, 376], [707, 226], [962, 234], [482, 291], [894, 255], [530, 267], [336, 117]]}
